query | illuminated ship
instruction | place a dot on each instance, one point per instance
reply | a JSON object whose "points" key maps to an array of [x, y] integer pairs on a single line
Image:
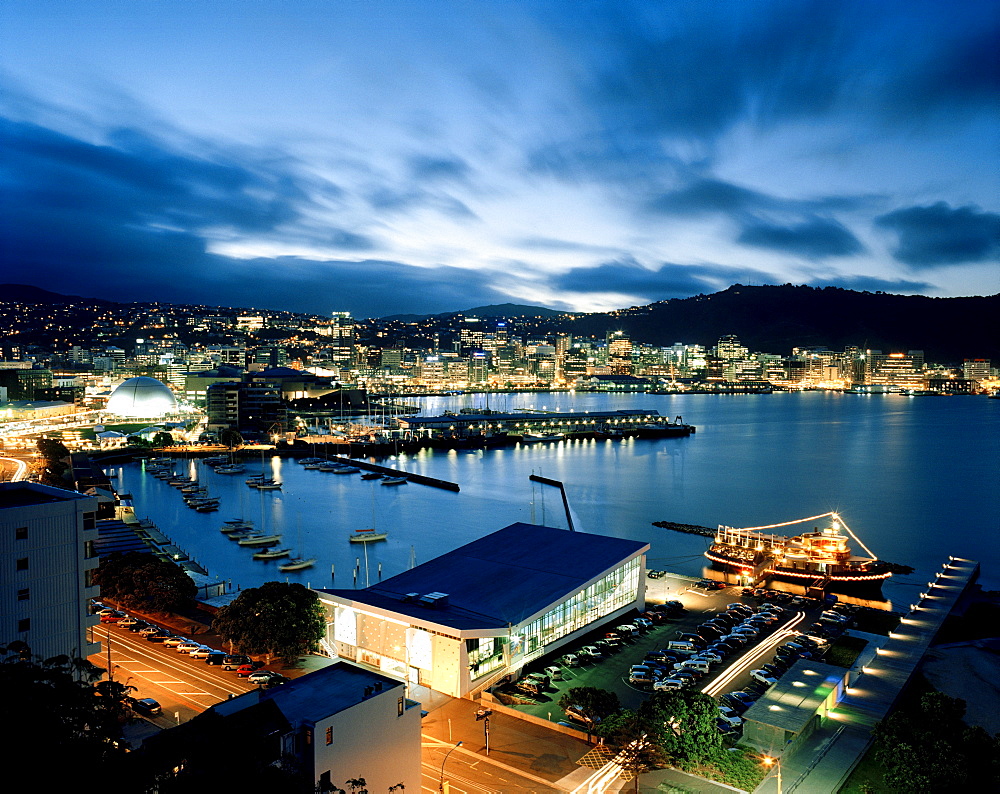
{"points": [[812, 559]]}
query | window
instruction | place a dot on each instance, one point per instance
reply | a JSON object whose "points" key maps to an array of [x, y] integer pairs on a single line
{"points": [[89, 550], [24, 594], [21, 533], [22, 564], [329, 735], [88, 577], [400, 707], [24, 625], [89, 520]]}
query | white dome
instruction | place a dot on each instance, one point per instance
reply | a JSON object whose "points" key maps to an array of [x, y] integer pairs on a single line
{"points": [[142, 397]]}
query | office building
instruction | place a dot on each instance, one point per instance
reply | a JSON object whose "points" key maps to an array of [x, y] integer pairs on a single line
{"points": [[48, 559]]}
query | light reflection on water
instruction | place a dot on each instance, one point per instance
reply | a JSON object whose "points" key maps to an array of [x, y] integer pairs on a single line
{"points": [[915, 478]]}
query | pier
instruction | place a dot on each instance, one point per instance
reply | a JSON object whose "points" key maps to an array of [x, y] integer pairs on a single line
{"points": [[419, 479]]}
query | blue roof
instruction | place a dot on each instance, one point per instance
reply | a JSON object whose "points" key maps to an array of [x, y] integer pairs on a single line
{"points": [[501, 579]]}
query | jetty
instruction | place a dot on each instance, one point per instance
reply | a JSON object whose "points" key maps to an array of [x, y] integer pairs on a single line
{"points": [[690, 529], [419, 479]]}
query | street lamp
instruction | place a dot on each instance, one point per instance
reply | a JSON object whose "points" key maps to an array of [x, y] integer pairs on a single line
{"points": [[770, 761], [441, 779]]}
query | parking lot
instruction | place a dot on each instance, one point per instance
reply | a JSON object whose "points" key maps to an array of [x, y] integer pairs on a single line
{"points": [[773, 629]]}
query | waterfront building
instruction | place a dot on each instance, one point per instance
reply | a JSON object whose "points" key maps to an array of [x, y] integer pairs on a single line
{"points": [[977, 369], [252, 407], [142, 398], [48, 559], [461, 622]]}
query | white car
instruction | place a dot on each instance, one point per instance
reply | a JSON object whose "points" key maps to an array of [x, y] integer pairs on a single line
{"points": [[763, 677], [173, 642], [187, 647], [202, 652], [668, 684]]}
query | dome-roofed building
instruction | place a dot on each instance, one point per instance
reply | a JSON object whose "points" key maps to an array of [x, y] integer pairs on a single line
{"points": [[142, 397]]}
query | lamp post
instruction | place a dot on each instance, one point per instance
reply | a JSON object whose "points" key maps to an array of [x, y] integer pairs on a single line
{"points": [[484, 715], [444, 760], [770, 761]]}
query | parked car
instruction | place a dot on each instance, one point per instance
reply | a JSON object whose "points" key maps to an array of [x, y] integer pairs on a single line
{"points": [[669, 684], [147, 707], [137, 627], [590, 650], [128, 621], [202, 652], [216, 657], [643, 623], [111, 617], [261, 676], [187, 647], [570, 660], [159, 636], [234, 660], [764, 677], [150, 630], [173, 642], [248, 669]]}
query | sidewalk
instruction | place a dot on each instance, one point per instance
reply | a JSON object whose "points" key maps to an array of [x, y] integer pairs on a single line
{"points": [[533, 750]]}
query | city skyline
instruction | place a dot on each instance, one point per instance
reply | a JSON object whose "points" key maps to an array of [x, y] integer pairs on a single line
{"points": [[386, 161]]}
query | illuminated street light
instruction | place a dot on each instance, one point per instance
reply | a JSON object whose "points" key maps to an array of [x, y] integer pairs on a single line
{"points": [[441, 780]]}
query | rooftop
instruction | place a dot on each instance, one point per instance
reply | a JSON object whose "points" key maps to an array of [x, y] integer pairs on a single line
{"points": [[313, 697], [22, 494], [501, 579], [797, 696]]}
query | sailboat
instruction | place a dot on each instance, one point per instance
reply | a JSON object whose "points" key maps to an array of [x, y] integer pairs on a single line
{"points": [[297, 563], [368, 535]]}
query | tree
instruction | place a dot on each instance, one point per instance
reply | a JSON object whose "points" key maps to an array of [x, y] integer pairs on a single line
{"points": [[284, 620], [60, 717], [928, 748], [55, 462], [633, 735], [590, 704], [230, 438], [684, 724], [146, 583], [163, 439]]}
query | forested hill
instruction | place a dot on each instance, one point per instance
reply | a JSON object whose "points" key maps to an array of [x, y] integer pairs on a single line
{"points": [[776, 319]]}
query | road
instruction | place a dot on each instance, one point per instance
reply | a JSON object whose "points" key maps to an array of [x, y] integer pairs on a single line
{"points": [[183, 686]]}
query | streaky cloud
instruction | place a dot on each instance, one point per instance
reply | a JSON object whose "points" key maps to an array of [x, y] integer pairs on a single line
{"points": [[937, 235], [816, 238]]}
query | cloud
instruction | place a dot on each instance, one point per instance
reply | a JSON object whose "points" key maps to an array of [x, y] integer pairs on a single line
{"points": [[627, 277], [815, 238], [705, 196], [941, 235], [439, 168]]}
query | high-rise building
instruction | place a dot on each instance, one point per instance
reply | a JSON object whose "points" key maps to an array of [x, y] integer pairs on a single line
{"points": [[48, 558]]}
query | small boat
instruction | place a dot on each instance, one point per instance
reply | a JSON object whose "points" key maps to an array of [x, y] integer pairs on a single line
{"points": [[372, 475], [394, 480], [231, 468], [236, 525], [271, 554], [267, 485], [297, 564], [367, 536], [532, 438], [257, 539], [208, 507], [312, 466], [346, 470], [328, 466]]}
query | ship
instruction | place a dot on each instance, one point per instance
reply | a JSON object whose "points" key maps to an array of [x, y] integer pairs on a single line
{"points": [[819, 558]]}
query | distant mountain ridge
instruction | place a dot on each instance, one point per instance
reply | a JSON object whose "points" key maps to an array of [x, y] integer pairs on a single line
{"points": [[25, 293], [774, 319], [494, 310]]}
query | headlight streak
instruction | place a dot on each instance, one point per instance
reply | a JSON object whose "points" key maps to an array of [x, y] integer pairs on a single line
{"points": [[754, 655]]}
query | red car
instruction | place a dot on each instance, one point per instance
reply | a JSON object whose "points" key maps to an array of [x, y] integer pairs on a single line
{"points": [[112, 617], [246, 669]]}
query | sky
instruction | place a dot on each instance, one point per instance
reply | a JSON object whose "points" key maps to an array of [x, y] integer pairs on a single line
{"points": [[419, 157]]}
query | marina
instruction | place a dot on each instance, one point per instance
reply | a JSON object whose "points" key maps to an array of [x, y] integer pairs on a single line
{"points": [[875, 458]]}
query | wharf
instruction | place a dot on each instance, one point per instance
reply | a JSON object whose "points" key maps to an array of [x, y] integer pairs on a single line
{"points": [[420, 479], [690, 529]]}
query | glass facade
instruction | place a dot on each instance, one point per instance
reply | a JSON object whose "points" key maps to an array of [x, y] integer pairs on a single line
{"points": [[616, 590]]}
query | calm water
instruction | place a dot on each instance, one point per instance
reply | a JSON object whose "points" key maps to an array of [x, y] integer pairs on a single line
{"points": [[915, 478]]}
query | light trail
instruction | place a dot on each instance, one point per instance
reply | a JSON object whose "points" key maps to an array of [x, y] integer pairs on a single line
{"points": [[754, 655]]}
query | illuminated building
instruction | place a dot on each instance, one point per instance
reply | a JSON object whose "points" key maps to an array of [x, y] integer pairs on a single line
{"points": [[466, 619]]}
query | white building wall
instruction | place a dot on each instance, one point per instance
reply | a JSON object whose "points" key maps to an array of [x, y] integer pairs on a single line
{"points": [[378, 739], [50, 592]]}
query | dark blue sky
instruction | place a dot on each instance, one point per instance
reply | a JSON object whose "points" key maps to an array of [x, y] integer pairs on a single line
{"points": [[387, 157]]}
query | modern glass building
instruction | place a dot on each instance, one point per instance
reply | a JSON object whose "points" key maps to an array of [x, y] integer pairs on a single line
{"points": [[464, 620]]}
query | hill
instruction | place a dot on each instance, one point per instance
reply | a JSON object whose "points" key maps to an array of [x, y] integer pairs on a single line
{"points": [[24, 293], [495, 310], [775, 319]]}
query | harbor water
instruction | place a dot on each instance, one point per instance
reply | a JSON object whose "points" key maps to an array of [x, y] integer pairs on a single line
{"points": [[917, 479]]}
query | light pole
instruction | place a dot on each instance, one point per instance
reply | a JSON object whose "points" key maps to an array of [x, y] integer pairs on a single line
{"points": [[770, 761], [484, 715], [441, 780]]}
